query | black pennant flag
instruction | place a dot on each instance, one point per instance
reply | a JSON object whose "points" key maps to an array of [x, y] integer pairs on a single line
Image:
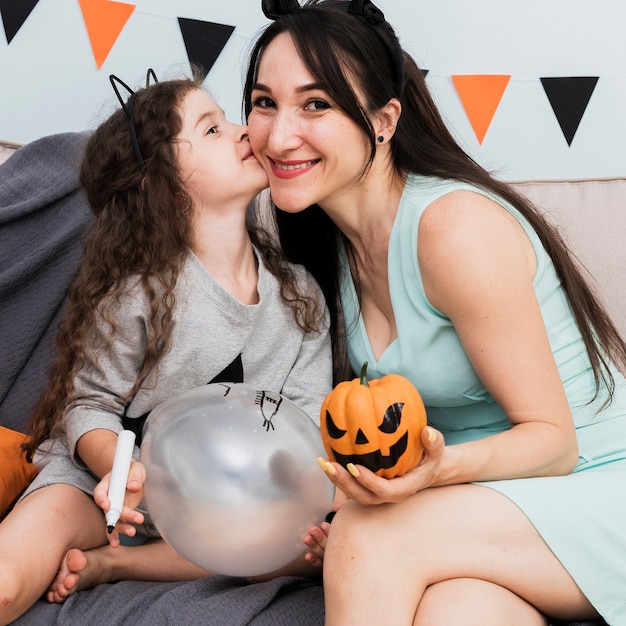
{"points": [[14, 13], [569, 97], [204, 41]]}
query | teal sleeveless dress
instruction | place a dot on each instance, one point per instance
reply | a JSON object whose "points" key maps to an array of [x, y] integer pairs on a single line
{"points": [[582, 517]]}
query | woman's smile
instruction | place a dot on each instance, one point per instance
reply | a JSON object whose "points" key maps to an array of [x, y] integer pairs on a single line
{"points": [[291, 169]]}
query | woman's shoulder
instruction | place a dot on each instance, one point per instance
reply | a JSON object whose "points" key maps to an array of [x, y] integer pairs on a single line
{"points": [[466, 218], [429, 188], [450, 209], [468, 234]]}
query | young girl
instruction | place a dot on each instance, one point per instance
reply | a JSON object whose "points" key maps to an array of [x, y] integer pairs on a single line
{"points": [[175, 291], [437, 271]]}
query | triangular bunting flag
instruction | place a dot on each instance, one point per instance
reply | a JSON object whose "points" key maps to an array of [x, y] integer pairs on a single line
{"points": [[480, 95], [204, 41], [569, 97], [14, 13], [104, 20]]}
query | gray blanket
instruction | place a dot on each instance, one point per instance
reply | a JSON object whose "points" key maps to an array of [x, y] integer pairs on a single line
{"points": [[215, 601], [42, 216]]}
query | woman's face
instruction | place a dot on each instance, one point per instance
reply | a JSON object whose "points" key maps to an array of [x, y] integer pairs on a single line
{"points": [[215, 160], [312, 151]]}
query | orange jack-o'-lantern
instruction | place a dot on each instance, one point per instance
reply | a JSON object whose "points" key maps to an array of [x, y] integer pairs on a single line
{"points": [[376, 424]]}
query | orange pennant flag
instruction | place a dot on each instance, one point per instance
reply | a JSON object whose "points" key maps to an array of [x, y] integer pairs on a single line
{"points": [[480, 95], [105, 21]]}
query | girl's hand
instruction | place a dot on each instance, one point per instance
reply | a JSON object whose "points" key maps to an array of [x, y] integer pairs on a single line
{"points": [[316, 539], [134, 495], [360, 484]]}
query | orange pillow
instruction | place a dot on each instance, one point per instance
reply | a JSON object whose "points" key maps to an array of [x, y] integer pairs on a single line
{"points": [[15, 472]]}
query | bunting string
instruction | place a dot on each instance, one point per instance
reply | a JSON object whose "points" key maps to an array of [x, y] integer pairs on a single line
{"points": [[480, 94]]}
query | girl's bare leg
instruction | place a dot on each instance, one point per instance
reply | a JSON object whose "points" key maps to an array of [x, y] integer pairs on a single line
{"points": [[153, 561], [35, 536], [380, 560]]}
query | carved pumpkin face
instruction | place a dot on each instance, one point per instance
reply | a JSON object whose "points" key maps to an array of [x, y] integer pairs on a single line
{"points": [[376, 424]]}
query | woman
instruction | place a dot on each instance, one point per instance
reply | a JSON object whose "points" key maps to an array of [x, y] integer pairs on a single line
{"points": [[175, 290], [435, 270]]}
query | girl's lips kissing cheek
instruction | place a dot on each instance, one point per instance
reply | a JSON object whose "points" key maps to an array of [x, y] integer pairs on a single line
{"points": [[291, 169]]}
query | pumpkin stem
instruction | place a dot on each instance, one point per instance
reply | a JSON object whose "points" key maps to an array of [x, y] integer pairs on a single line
{"points": [[363, 378]]}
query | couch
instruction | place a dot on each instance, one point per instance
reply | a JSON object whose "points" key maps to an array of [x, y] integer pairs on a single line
{"points": [[42, 216]]}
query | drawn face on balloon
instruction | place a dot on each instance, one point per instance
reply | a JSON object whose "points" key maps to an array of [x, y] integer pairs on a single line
{"points": [[269, 402]]}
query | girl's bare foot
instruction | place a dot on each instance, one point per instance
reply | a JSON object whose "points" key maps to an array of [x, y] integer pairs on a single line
{"points": [[79, 570]]}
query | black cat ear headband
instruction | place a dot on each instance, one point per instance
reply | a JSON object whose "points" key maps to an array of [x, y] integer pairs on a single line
{"points": [[127, 107], [363, 10]]}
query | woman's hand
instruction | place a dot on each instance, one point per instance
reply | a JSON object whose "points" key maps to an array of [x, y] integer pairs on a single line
{"points": [[360, 484], [134, 495]]}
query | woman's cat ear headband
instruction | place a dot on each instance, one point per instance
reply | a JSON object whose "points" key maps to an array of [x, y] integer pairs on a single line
{"points": [[365, 11], [127, 107]]}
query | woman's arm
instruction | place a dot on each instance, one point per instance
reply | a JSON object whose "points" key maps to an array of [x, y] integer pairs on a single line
{"points": [[478, 266]]}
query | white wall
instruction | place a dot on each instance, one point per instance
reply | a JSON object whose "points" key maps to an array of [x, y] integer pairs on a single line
{"points": [[49, 81]]}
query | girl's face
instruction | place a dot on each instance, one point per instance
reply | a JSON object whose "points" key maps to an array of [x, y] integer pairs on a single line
{"points": [[215, 160], [312, 151]]}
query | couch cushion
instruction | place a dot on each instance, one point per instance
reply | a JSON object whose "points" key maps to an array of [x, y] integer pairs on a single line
{"points": [[591, 217], [6, 150]]}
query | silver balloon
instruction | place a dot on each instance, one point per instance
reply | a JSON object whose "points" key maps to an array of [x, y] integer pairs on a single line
{"points": [[232, 483]]}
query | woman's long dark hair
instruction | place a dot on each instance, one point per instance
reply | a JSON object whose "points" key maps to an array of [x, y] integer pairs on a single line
{"points": [[141, 230], [336, 47]]}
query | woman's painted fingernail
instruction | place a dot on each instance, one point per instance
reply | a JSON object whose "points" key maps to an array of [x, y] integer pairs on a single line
{"points": [[326, 466], [432, 435], [352, 469]]}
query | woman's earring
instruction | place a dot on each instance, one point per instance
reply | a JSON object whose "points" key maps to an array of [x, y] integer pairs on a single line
{"points": [[380, 139]]}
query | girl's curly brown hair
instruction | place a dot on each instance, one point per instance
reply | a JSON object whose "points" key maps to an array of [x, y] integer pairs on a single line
{"points": [[141, 229]]}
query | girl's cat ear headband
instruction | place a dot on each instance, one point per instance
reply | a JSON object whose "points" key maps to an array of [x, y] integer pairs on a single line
{"points": [[127, 107], [364, 10]]}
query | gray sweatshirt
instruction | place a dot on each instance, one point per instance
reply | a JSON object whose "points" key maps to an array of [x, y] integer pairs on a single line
{"points": [[215, 337]]}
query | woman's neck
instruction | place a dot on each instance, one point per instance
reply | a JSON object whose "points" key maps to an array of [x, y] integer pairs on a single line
{"points": [[367, 214]]}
